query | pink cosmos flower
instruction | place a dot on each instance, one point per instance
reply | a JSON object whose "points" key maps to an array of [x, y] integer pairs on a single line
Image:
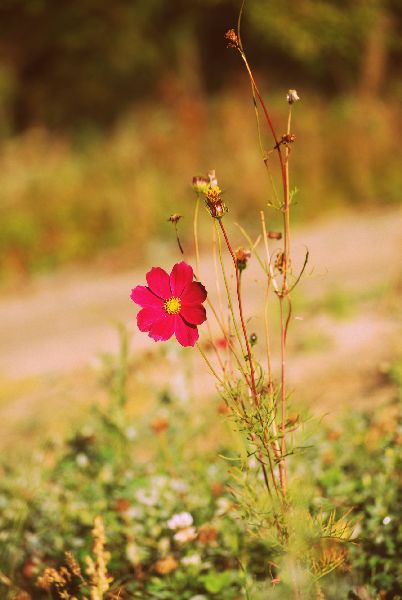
{"points": [[171, 304]]}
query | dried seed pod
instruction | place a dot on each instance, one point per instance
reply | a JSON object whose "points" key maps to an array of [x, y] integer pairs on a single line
{"points": [[232, 39]]}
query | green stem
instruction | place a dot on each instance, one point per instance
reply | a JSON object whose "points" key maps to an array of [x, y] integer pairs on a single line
{"points": [[195, 229], [228, 291], [208, 363]]}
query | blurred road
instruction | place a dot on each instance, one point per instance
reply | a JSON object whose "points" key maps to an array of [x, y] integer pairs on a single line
{"points": [[65, 321]]}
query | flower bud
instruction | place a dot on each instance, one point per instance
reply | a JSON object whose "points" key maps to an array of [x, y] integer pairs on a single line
{"points": [[253, 339], [242, 257], [200, 184], [292, 96]]}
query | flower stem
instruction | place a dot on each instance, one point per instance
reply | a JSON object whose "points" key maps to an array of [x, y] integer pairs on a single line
{"points": [[208, 363], [229, 295], [240, 305], [195, 230]]}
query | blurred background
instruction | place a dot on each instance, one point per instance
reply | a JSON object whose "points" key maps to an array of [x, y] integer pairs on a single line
{"points": [[107, 110]]}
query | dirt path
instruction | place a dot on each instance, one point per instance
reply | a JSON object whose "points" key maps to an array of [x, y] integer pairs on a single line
{"points": [[64, 322]]}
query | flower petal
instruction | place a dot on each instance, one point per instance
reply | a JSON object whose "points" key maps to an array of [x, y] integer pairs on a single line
{"points": [[144, 297], [158, 282], [163, 329], [186, 334], [180, 277], [148, 316], [195, 293], [194, 314]]}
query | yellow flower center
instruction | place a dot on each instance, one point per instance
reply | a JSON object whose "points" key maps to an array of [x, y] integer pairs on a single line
{"points": [[173, 305]]}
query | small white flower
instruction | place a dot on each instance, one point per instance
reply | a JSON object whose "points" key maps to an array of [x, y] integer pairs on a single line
{"points": [[179, 486], [133, 554], [159, 481], [386, 520], [131, 433], [147, 498], [134, 512], [180, 521], [82, 459], [223, 505], [194, 560], [185, 535]]}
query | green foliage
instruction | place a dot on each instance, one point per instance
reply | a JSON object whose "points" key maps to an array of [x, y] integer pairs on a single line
{"points": [[324, 38], [112, 467], [105, 55]]}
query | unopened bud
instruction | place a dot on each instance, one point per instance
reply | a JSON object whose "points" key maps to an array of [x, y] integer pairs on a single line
{"points": [[200, 184], [280, 262], [292, 96], [253, 339], [242, 258]]}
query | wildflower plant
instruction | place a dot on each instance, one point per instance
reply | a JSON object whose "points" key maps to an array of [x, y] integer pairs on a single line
{"points": [[255, 394]]}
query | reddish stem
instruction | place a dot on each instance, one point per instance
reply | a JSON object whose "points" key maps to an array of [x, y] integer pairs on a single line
{"points": [[240, 304], [284, 326], [272, 129]]}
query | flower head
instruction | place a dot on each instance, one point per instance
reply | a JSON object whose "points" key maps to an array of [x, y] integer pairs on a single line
{"points": [[185, 535], [180, 521], [171, 304], [192, 560], [214, 202]]}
